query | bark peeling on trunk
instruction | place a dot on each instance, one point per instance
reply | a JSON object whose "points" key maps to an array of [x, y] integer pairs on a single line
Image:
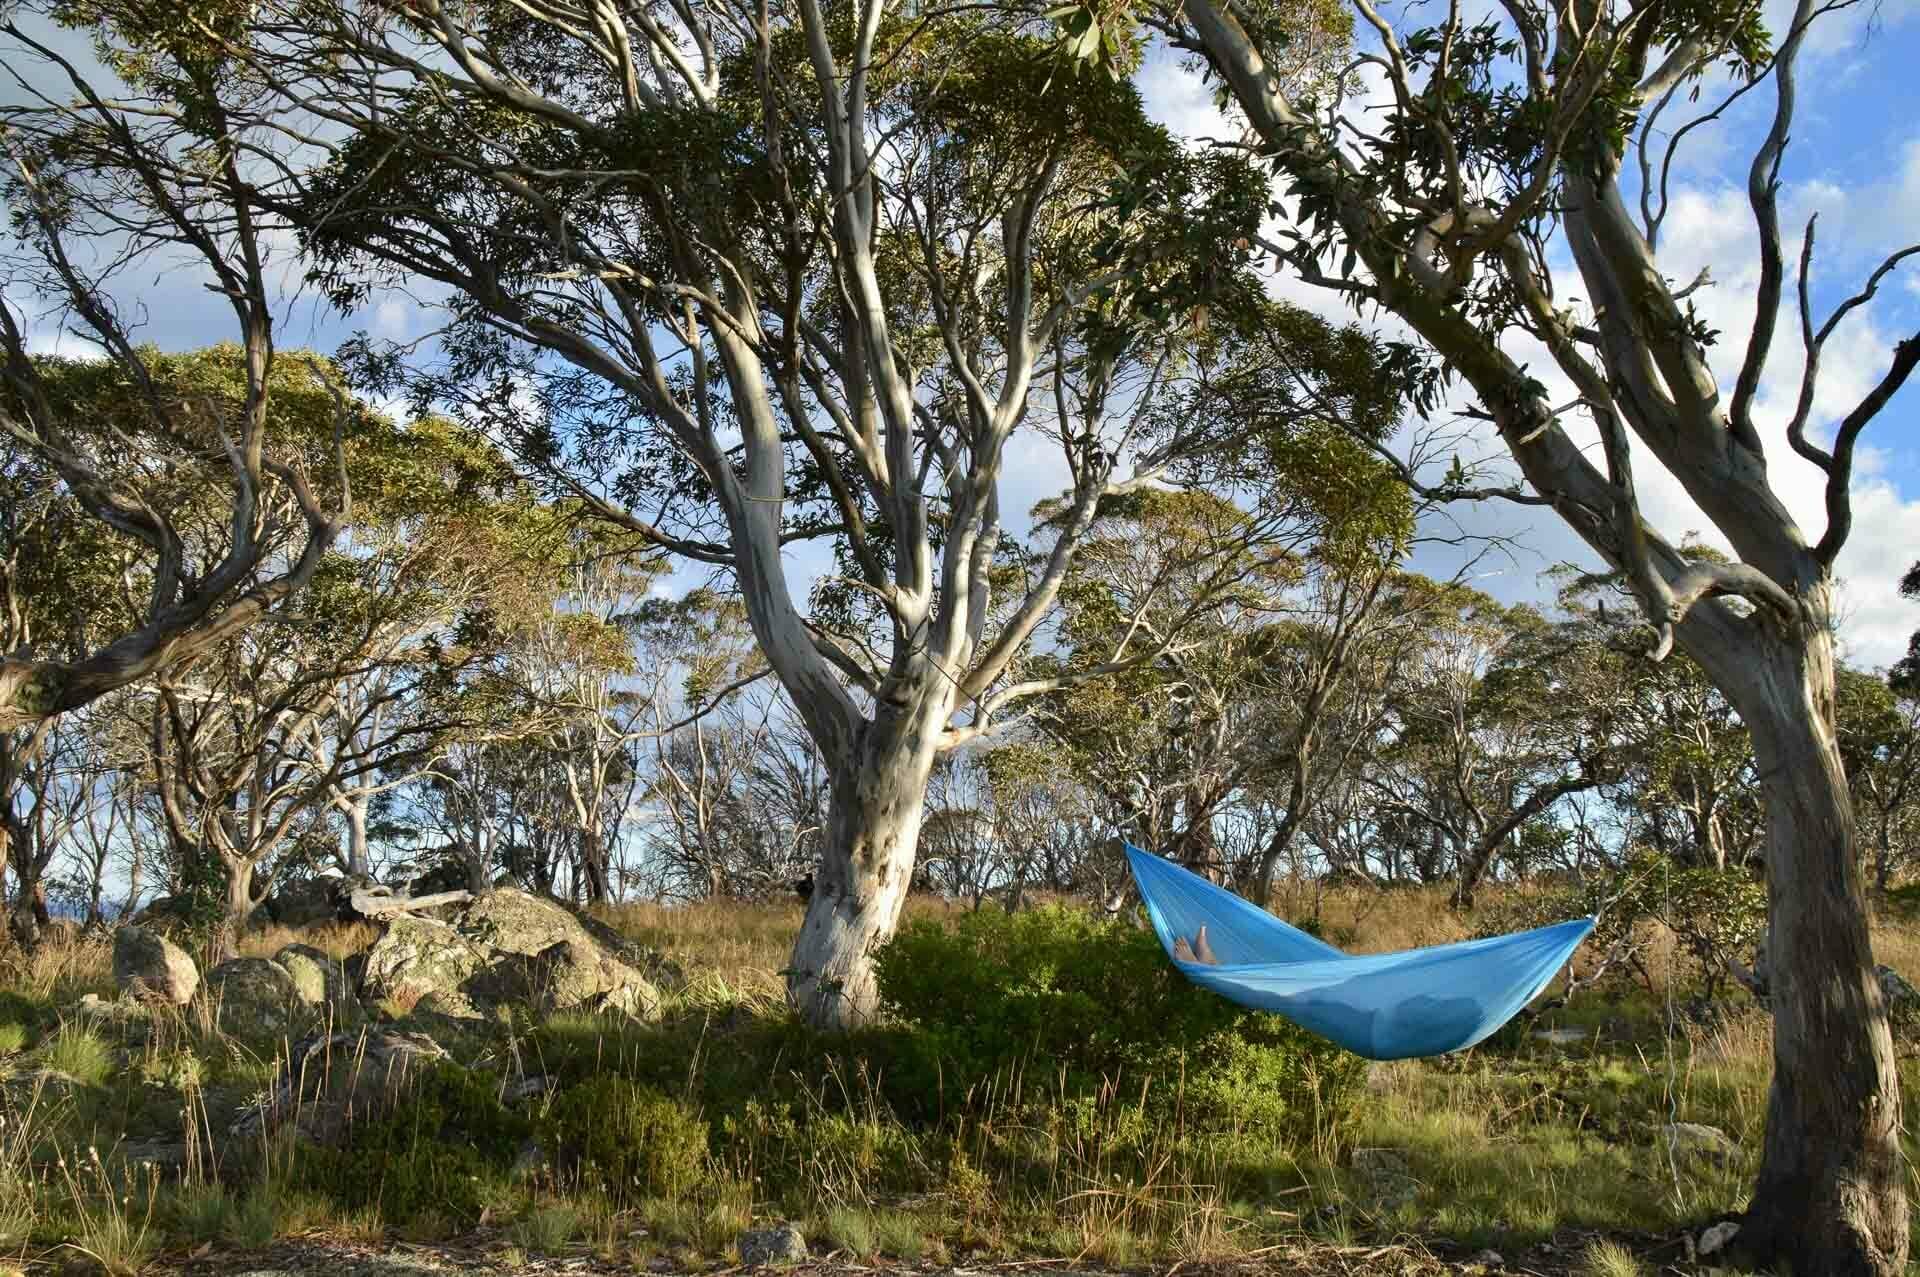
{"points": [[866, 866], [1831, 1193]]}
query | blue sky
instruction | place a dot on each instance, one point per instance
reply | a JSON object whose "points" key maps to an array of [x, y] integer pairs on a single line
{"points": [[1856, 159]]}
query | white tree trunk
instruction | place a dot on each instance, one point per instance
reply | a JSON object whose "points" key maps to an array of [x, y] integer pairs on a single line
{"points": [[866, 865], [359, 862]]}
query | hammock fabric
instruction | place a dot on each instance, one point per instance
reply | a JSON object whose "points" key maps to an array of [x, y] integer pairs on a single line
{"points": [[1385, 1006]]}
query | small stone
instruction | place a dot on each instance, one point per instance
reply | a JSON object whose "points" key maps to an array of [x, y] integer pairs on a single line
{"points": [[1489, 1259], [1715, 1239], [1694, 1139], [760, 1247], [150, 967], [1561, 1037]]}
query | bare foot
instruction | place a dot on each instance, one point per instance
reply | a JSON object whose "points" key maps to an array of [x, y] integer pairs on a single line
{"points": [[1204, 951], [1182, 951]]}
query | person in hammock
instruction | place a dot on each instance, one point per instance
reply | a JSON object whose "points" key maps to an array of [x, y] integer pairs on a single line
{"points": [[1198, 951]]}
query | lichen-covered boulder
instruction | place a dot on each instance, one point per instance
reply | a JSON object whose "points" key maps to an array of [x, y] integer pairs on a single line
{"points": [[150, 967], [516, 922], [318, 979], [549, 958], [417, 957], [567, 975], [254, 995]]}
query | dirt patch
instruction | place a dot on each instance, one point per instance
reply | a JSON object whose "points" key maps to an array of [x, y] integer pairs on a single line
{"points": [[1560, 1256]]}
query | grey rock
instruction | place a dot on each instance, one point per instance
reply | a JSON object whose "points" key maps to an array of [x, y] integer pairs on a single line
{"points": [[1492, 1259], [1561, 1037], [308, 901], [416, 957], [92, 1006], [150, 967], [333, 1077], [1715, 1239], [254, 994], [1694, 1139], [1386, 1180], [318, 980], [760, 1247]]}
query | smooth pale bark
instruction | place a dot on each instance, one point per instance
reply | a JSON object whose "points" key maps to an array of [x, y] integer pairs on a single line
{"points": [[866, 866], [359, 861]]}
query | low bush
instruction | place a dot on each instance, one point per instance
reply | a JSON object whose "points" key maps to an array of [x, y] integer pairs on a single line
{"points": [[1081, 1003], [444, 1146], [627, 1138]]}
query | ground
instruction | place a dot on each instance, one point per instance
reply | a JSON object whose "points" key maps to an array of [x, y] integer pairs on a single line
{"points": [[1599, 1138]]}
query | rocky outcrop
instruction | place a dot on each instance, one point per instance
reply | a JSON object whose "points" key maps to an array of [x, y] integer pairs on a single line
{"points": [[509, 949], [150, 967], [333, 1077], [310, 901], [417, 958]]}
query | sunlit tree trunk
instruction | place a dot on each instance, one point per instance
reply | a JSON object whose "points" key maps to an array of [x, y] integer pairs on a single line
{"points": [[866, 863]]}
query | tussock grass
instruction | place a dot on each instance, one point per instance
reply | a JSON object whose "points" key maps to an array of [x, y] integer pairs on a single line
{"points": [[1609, 1259], [80, 1054]]}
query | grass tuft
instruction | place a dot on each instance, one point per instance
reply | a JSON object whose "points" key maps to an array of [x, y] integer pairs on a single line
{"points": [[1610, 1259], [80, 1054]]}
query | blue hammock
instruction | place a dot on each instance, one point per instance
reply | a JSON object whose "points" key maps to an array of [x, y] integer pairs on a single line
{"points": [[1385, 1006]]}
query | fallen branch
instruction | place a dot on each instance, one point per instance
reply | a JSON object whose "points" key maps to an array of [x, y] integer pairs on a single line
{"points": [[374, 904]]}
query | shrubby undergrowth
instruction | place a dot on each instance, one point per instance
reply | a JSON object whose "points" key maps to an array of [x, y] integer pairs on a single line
{"points": [[1091, 1003]]}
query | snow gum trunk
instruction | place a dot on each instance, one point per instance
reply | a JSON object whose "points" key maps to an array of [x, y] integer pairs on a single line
{"points": [[877, 797], [1830, 1198]]}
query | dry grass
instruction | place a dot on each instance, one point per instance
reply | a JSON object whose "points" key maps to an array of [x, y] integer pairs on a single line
{"points": [[1512, 1141], [335, 939], [60, 969]]}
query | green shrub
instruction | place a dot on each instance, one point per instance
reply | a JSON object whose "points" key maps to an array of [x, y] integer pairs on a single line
{"points": [[627, 1137], [1079, 1002], [1715, 914], [13, 1037], [442, 1147]]}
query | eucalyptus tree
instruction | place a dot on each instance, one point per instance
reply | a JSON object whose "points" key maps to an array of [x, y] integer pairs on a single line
{"points": [[744, 276], [1506, 203], [135, 445], [1880, 735], [1905, 674], [366, 674], [1501, 716]]}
